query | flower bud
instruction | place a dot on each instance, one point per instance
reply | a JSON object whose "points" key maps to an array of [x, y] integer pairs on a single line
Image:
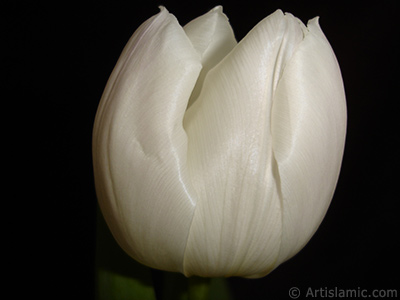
{"points": [[218, 158]]}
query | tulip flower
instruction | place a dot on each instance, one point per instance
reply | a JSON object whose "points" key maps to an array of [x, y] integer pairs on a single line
{"points": [[217, 158]]}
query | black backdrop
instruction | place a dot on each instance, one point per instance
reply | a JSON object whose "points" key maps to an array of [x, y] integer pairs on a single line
{"points": [[60, 57]]}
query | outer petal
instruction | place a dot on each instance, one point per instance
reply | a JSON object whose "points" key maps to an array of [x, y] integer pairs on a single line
{"points": [[213, 38], [237, 226], [308, 129], [139, 145]]}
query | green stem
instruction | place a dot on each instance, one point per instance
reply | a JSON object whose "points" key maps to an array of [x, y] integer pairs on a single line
{"points": [[198, 288]]}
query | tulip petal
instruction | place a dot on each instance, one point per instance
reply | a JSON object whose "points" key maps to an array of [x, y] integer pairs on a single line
{"points": [[213, 38], [140, 146], [308, 129], [236, 229]]}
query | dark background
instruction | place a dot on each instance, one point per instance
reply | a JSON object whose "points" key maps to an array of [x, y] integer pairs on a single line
{"points": [[60, 57]]}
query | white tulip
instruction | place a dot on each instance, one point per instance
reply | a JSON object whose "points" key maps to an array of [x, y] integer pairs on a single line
{"points": [[218, 158]]}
